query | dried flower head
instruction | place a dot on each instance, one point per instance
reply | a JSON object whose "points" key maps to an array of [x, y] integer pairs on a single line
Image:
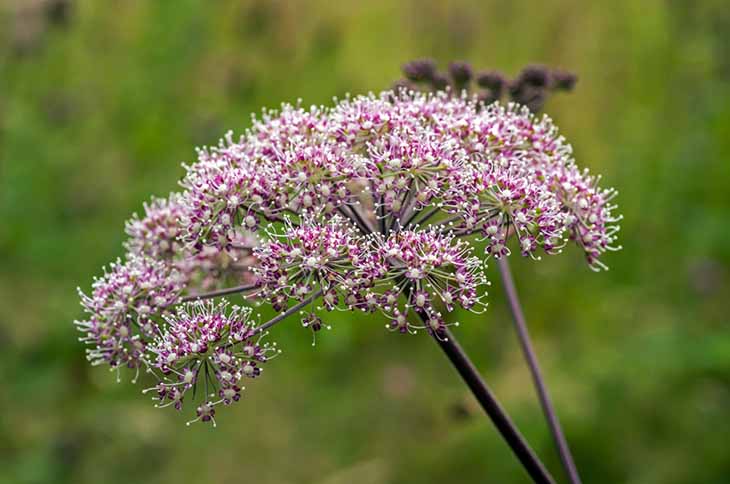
{"points": [[461, 73], [531, 87], [420, 70]]}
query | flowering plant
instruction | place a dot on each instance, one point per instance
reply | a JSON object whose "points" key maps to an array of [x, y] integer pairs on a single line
{"points": [[373, 204]]}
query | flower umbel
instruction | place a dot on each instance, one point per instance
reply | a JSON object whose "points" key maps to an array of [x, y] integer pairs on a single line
{"points": [[307, 257], [372, 205], [124, 310], [206, 344], [434, 271], [158, 235]]}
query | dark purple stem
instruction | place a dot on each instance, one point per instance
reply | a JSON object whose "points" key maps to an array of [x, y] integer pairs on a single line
{"points": [[287, 313], [491, 406], [355, 218], [410, 222], [547, 407]]}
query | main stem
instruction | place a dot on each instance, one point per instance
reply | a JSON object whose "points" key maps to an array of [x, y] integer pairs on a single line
{"points": [[547, 407], [493, 409]]}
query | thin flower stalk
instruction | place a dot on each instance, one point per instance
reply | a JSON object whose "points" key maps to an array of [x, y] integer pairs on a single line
{"points": [[566, 457]]}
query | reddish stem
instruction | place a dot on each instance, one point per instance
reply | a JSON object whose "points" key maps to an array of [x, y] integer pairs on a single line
{"points": [[547, 407]]}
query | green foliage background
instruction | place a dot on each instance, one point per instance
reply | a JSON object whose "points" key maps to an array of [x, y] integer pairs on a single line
{"points": [[99, 106]]}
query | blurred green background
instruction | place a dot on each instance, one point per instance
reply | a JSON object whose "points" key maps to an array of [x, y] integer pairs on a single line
{"points": [[101, 101]]}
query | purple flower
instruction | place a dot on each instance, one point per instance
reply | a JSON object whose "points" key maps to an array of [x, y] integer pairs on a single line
{"points": [[158, 235], [433, 270], [206, 344], [308, 257], [124, 308]]}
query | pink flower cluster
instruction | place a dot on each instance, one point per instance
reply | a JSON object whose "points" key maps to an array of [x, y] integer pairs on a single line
{"points": [[434, 270], [371, 205], [158, 233], [205, 342], [384, 159], [308, 257], [122, 308]]}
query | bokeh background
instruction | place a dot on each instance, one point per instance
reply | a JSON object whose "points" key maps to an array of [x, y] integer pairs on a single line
{"points": [[100, 102]]}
